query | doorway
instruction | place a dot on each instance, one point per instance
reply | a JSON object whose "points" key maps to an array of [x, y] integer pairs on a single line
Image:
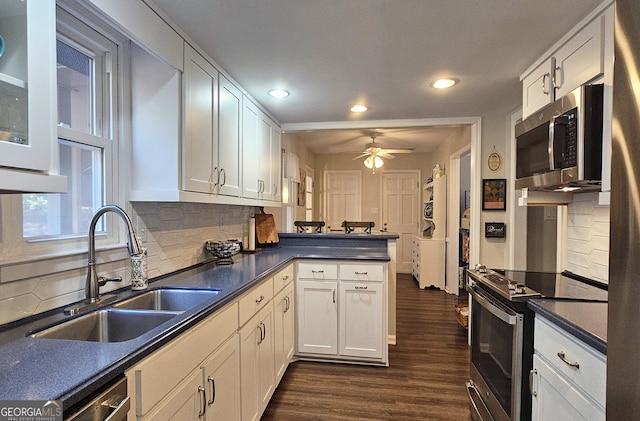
{"points": [[342, 197], [400, 212]]}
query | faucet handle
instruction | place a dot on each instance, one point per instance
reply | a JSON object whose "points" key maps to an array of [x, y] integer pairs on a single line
{"points": [[102, 280]]}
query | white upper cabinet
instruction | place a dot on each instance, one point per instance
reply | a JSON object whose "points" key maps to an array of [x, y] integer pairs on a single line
{"points": [[229, 144], [28, 97], [250, 141], [200, 122], [573, 62]]}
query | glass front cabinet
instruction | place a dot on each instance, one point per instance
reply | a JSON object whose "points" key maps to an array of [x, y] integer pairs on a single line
{"points": [[28, 97]]}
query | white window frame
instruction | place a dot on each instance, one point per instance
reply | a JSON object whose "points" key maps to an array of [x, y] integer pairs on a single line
{"points": [[78, 28]]}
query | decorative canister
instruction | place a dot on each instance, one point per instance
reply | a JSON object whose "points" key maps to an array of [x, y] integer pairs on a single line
{"points": [[139, 278]]}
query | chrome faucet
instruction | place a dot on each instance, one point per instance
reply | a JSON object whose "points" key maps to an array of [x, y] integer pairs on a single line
{"points": [[94, 282]]}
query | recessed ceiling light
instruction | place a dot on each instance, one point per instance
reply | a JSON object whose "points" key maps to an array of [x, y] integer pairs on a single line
{"points": [[443, 83], [358, 108], [279, 93]]}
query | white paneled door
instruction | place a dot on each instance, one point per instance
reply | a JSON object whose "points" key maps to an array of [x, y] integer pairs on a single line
{"points": [[343, 200], [401, 211]]}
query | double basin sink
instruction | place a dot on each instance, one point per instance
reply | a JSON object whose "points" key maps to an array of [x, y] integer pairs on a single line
{"points": [[129, 318]]}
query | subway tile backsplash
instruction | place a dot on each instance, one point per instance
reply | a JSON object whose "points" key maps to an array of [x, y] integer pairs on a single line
{"points": [[173, 233], [588, 237]]}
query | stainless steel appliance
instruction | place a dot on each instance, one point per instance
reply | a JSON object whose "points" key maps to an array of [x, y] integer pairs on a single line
{"points": [[560, 146], [502, 336], [111, 404], [623, 335]]}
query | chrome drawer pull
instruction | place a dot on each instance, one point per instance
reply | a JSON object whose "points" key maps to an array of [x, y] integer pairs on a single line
{"points": [[567, 362], [359, 287], [361, 273], [258, 301], [212, 388], [532, 373], [317, 271]]}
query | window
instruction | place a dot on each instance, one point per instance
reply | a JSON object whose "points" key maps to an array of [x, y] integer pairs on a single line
{"points": [[87, 90]]}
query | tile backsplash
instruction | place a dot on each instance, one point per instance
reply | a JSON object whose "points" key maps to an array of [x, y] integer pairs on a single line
{"points": [[173, 233], [588, 237]]}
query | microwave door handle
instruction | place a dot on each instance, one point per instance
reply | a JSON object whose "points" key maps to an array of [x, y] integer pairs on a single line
{"points": [[552, 135]]}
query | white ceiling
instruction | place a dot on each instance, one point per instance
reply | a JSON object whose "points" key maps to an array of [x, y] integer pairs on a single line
{"points": [[332, 54]]}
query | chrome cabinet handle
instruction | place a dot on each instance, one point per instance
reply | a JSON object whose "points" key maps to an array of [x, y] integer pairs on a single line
{"points": [[286, 277], [203, 401], [259, 300], [287, 304], [360, 287], [532, 373], [334, 296], [554, 79], [212, 387], [217, 171], [361, 273], [317, 271], [224, 177], [544, 84], [263, 332], [564, 359]]}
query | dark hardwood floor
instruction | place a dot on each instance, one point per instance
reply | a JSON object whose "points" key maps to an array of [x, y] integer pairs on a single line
{"points": [[424, 380]]}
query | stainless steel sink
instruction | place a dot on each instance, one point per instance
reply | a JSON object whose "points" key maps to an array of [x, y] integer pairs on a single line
{"points": [[110, 325], [168, 299]]}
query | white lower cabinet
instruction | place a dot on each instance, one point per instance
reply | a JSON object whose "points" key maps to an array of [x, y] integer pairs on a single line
{"points": [[342, 311], [170, 382], [317, 303], [361, 319], [284, 329], [568, 379], [257, 363]]}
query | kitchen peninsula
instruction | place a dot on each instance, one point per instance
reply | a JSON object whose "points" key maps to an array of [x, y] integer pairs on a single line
{"points": [[77, 369]]}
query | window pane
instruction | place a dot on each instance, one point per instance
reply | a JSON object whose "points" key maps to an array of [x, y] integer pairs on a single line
{"points": [[69, 214], [76, 98]]}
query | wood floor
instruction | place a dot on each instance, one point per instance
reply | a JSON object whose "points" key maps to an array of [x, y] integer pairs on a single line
{"points": [[424, 380]]}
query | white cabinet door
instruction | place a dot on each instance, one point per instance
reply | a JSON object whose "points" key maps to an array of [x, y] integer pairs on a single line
{"points": [[537, 88], [317, 317], [581, 59], [222, 382], [228, 167], [185, 402], [201, 122], [250, 145], [27, 97], [257, 363], [554, 398], [284, 330], [361, 308]]}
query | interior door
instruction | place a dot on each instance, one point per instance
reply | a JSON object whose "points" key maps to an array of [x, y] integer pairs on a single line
{"points": [[343, 200], [400, 212]]}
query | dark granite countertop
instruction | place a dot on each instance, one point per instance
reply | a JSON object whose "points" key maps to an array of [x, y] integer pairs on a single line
{"points": [[586, 320], [69, 371]]}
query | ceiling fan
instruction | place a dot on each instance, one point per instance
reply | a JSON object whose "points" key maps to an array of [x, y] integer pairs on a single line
{"points": [[374, 152]]}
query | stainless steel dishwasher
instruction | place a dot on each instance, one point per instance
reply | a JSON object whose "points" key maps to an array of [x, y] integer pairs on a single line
{"points": [[112, 404]]}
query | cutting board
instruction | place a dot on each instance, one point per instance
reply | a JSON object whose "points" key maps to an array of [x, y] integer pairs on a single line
{"points": [[266, 232]]}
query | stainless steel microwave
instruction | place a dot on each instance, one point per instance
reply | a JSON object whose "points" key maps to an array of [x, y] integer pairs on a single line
{"points": [[560, 146]]}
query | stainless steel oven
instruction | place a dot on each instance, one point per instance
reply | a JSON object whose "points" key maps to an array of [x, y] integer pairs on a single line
{"points": [[496, 358], [501, 325]]}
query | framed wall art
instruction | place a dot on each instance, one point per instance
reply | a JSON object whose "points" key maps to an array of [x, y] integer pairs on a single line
{"points": [[494, 194]]}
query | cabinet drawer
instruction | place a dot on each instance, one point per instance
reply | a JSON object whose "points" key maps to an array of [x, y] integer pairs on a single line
{"points": [[283, 278], [590, 376], [254, 300], [361, 272], [317, 271]]}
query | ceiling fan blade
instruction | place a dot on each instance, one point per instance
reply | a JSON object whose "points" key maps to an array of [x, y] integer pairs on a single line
{"points": [[405, 150], [360, 156], [385, 155]]}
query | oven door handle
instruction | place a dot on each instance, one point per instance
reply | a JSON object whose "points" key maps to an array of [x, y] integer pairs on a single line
{"points": [[504, 314]]}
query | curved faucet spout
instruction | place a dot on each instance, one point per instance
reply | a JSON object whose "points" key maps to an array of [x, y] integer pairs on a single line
{"points": [[92, 287]]}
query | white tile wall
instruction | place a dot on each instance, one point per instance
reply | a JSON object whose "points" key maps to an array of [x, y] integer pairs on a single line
{"points": [[173, 233], [588, 237]]}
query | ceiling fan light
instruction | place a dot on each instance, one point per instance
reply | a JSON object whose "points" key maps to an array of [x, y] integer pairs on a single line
{"points": [[372, 161]]}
